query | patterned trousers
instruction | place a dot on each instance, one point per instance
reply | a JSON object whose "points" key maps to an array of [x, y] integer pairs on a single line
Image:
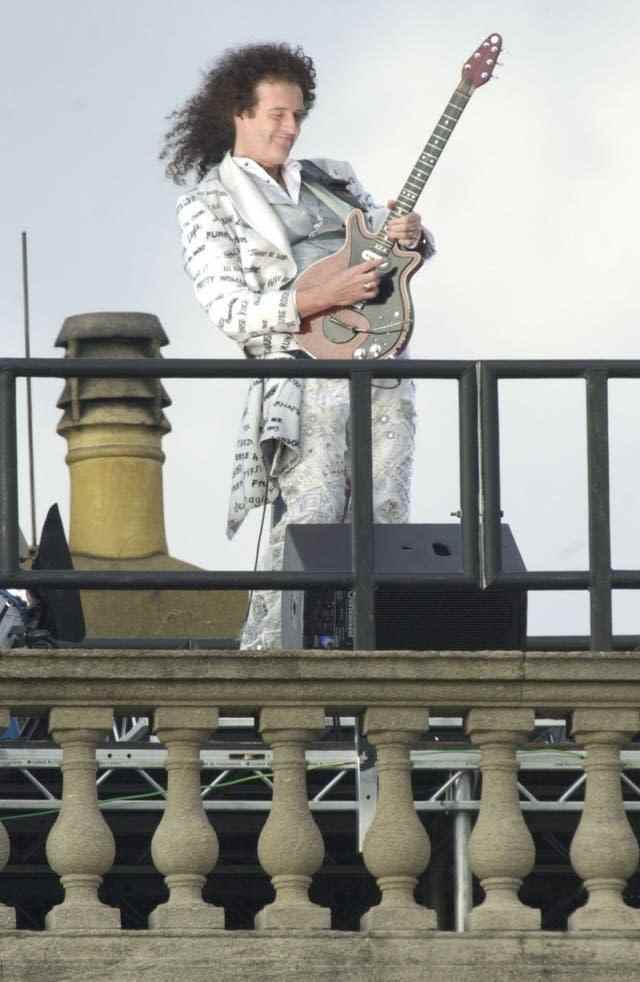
{"points": [[315, 490]]}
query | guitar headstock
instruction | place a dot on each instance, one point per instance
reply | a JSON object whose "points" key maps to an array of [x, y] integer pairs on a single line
{"points": [[478, 69]]}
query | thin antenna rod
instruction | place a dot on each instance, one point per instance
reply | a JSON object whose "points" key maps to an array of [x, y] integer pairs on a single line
{"points": [[27, 352]]}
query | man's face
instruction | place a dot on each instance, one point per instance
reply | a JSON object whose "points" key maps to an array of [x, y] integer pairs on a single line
{"points": [[267, 132]]}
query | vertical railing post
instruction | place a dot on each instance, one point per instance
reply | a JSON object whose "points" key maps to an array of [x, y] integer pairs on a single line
{"points": [[463, 881], [7, 914], [599, 517], [490, 486], [8, 475], [362, 541], [469, 478]]}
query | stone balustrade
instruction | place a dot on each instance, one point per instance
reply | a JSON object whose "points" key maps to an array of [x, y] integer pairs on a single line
{"points": [[497, 693]]}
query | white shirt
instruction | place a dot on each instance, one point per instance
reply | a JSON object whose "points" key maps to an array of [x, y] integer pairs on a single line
{"points": [[290, 174]]}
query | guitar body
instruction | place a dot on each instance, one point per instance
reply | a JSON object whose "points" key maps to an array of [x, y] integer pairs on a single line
{"points": [[378, 328]]}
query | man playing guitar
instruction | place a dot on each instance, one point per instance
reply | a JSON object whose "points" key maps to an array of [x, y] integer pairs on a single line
{"points": [[255, 221]]}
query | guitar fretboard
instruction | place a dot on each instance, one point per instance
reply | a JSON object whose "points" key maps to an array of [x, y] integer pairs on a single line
{"points": [[423, 167]]}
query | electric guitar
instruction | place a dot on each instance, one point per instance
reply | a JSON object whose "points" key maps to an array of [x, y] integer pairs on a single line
{"points": [[381, 328]]}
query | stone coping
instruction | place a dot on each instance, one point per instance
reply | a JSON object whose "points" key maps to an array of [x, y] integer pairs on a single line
{"points": [[237, 956], [241, 682]]}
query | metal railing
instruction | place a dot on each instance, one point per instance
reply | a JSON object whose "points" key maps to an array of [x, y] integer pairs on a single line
{"points": [[599, 579], [479, 451]]}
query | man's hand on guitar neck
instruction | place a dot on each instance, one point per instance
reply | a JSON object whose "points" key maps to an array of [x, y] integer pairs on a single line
{"points": [[407, 229], [349, 286]]}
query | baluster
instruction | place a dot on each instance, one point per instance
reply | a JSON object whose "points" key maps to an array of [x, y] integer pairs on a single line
{"points": [[396, 847], [7, 914], [290, 847], [604, 851], [501, 848], [80, 846], [185, 846]]}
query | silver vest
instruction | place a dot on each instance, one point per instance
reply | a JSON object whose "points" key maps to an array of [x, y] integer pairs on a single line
{"points": [[314, 230]]}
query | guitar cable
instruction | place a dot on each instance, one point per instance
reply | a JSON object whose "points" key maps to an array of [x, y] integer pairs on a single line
{"points": [[265, 504]]}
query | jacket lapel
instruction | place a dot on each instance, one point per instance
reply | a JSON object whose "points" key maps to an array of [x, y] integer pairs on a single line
{"points": [[252, 206]]}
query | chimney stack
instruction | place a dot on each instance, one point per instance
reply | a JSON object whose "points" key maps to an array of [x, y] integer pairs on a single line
{"points": [[114, 430]]}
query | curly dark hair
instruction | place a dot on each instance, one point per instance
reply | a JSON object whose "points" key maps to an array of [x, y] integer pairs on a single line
{"points": [[203, 129]]}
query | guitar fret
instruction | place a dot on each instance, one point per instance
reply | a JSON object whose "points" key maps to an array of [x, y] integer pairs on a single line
{"points": [[422, 169]]}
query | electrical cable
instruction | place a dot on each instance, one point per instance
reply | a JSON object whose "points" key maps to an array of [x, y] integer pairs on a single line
{"points": [[265, 504], [150, 794]]}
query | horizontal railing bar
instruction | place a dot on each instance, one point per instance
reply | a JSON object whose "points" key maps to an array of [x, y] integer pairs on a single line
{"points": [[209, 805], [175, 580], [621, 579], [229, 805], [154, 756], [561, 368], [325, 368], [544, 580], [199, 368], [625, 579], [210, 580], [579, 642], [160, 643], [546, 642]]}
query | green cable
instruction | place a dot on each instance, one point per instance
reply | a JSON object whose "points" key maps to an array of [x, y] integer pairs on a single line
{"points": [[150, 794]]}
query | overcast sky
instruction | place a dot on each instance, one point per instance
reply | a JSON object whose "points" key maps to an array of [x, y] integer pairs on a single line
{"points": [[533, 204]]}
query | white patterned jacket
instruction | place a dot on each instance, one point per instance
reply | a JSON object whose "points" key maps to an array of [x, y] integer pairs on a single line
{"points": [[237, 253]]}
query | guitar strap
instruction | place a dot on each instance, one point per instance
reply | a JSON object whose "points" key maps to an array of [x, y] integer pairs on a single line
{"points": [[332, 191]]}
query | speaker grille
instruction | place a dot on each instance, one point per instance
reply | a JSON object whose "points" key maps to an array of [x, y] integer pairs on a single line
{"points": [[423, 619]]}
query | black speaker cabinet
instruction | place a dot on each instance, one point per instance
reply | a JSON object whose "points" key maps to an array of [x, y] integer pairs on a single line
{"points": [[418, 618]]}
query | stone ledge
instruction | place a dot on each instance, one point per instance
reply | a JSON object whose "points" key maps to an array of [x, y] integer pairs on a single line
{"points": [[139, 681], [249, 956]]}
